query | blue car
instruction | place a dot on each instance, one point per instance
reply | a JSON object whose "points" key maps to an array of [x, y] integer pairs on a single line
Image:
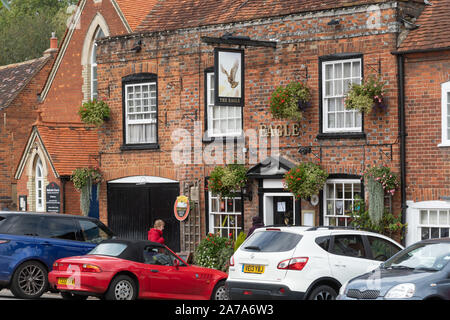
{"points": [[31, 242], [419, 272]]}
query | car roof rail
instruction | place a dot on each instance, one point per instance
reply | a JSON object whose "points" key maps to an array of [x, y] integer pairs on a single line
{"points": [[333, 228]]}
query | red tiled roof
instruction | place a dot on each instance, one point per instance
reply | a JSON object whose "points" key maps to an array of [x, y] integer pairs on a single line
{"points": [[14, 77], [69, 146], [433, 30], [135, 10], [177, 14]]}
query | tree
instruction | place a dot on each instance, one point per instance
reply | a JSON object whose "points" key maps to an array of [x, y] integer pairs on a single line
{"points": [[26, 27]]}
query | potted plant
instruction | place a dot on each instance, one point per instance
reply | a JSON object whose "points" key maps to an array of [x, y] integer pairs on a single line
{"points": [[94, 112], [289, 101], [214, 252], [363, 97], [225, 181], [305, 180], [83, 179]]}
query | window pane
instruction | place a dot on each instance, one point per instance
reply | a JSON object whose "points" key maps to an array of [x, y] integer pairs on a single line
{"points": [[443, 218], [425, 233], [423, 217], [433, 218], [434, 233], [444, 232]]}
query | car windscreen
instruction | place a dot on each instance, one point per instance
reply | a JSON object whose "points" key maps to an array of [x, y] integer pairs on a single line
{"points": [[421, 256], [109, 249], [3, 224], [272, 241]]}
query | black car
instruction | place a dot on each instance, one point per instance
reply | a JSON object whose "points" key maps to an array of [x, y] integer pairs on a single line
{"points": [[419, 272], [31, 242]]}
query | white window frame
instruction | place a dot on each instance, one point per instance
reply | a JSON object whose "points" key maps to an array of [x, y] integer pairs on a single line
{"points": [[327, 217], [415, 224], [152, 94], [445, 114], [237, 228], [39, 179], [237, 116], [325, 99]]}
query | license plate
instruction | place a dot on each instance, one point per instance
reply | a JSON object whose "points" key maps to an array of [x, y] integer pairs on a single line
{"points": [[250, 268], [66, 281]]}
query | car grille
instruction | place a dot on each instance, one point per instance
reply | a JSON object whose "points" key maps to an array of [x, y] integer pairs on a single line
{"points": [[367, 294]]}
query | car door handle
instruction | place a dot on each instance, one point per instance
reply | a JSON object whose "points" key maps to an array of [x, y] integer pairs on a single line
{"points": [[154, 270]]}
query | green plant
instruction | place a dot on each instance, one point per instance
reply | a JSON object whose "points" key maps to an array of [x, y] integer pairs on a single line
{"points": [[83, 179], [388, 225], [383, 175], [287, 102], [239, 240], [225, 181], [364, 96], [305, 180], [214, 252], [94, 112]]}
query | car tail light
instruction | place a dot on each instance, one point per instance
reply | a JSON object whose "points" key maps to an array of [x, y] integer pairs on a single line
{"points": [[57, 266], [293, 263], [232, 261], [90, 268]]}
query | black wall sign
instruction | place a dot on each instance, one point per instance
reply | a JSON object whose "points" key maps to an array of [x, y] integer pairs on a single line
{"points": [[53, 194], [229, 77]]}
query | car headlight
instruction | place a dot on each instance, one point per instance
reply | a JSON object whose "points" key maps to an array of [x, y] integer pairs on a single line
{"points": [[401, 291], [343, 288]]}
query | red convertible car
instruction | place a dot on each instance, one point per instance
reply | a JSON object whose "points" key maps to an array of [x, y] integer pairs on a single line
{"points": [[135, 269]]}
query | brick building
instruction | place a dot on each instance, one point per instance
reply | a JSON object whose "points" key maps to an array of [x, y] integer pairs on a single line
{"points": [[424, 58], [57, 142], [159, 81], [19, 85]]}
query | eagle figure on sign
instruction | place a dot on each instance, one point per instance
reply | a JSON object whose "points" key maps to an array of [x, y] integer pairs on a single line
{"points": [[232, 76]]}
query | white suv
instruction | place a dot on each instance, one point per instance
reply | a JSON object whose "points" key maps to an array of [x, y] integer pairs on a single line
{"points": [[304, 262]]}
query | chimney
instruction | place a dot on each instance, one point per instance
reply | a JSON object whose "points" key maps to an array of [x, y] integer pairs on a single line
{"points": [[53, 45], [54, 41]]}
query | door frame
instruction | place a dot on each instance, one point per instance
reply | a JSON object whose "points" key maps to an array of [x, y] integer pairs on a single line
{"points": [[266, 211]]}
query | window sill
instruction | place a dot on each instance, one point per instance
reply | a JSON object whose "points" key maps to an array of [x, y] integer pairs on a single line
{"points": [[341, 135], [444, 145], [224, 139], [147, 146]]}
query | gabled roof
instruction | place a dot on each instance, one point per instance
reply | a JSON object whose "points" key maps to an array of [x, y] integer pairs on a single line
{"points": [[134, 11], [433, 30], [67, 146], [274, 167], [179, 14], [14, 78]]}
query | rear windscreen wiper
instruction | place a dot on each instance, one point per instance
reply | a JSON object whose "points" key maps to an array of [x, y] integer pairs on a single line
{"points": [[253, 248]]}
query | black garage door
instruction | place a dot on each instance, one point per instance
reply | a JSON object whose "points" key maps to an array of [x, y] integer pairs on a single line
{"points": [[132, 210]]}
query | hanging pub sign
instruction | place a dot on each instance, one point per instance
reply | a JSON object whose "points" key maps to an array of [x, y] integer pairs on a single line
{"points": [[181, 208], [228, 77], [53, 197]]}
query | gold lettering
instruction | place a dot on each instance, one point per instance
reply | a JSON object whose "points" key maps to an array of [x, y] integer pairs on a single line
{"points": [[287, 133], [295, 130], [278, 130], [270, 131], [263, 130]]}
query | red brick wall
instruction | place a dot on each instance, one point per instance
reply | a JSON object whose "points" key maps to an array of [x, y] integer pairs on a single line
{"points": [[65, 95], [428, 166], [180, 58]]}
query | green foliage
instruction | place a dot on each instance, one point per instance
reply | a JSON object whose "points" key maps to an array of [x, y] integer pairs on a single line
{"points": [[85, 176], [362, 97], [225, 181], [94, 112], [389, 224], [239, 240], [213, 252], [305, 180], [26, 28], [286, 102]]}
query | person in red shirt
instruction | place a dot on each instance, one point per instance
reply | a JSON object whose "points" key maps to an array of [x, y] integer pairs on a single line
{"points": [[155, 233]]}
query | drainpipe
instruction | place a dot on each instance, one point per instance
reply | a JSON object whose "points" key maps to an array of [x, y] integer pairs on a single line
{"points": [[402, 134]]}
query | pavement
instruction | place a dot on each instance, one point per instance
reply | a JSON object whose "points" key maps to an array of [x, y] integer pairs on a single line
{"points": [[5, 294]]}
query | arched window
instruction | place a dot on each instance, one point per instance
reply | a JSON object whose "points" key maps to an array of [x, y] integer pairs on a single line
{"points": [[39, 180], [98, 34]]}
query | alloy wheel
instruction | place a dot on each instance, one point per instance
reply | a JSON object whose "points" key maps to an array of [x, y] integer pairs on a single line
{"points": [[220, 293], [123, 290], [31, 280], [324, 295]]}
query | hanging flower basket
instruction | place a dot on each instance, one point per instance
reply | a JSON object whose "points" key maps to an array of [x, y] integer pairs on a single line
{"points": [[94, 112], [384, 176], [83, 179], [225, 181], [364, 97], [305, 180], [288, 102]]}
